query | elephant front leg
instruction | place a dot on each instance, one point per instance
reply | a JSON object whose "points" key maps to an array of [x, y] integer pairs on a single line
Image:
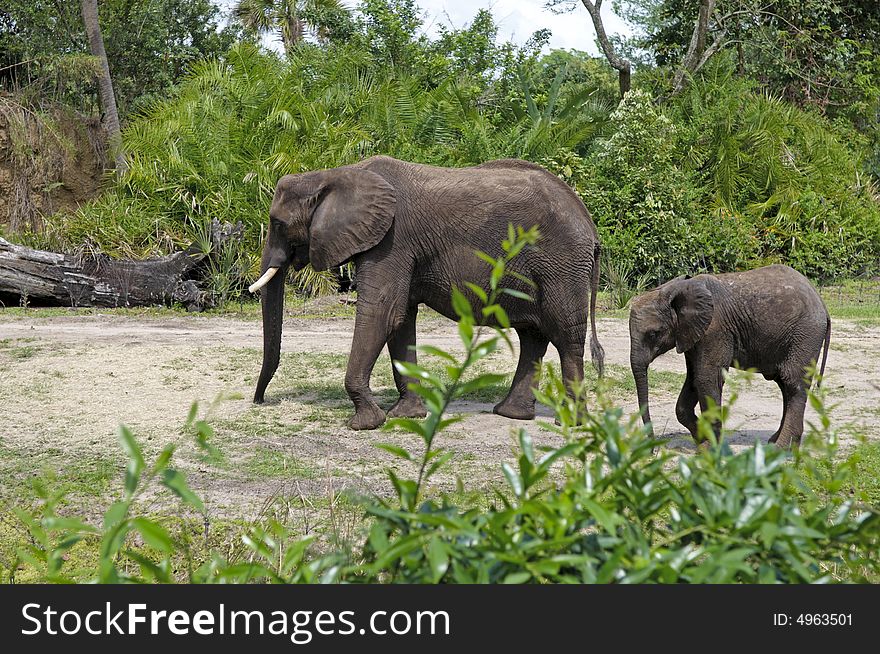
{"points": [[709, 386], [401, 347], [520, 401], [370, 335], [684, 408]]}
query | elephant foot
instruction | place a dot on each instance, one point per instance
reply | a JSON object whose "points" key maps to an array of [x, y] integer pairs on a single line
{"points": [[786, 442], [774, 438], [369, 417], [408, 406], [515, 410]]}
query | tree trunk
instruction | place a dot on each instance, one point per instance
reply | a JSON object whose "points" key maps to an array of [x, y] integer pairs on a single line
{"points": [[621, 65], [697, 54], [50, 278], [105, 83]]}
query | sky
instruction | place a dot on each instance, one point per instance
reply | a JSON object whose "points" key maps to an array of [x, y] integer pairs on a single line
{"points": [[516, 20]]}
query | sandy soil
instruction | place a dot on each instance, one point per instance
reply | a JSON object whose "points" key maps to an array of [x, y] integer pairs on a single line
{"points": [[66, 383]]}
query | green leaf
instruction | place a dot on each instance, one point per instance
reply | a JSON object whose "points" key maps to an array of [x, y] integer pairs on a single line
{"points": [[438, 558], [466, 332], [418, 372], [477, 383], [607, 519], [295, 553], [411, 425], [175, 481], [512, 479], [129, 445], [517, 578], [154, 535], [438, 463], [135, 460], [517, 294], [437, 352], [485, 257], [193, 412], [479, 292], [164, 458], [460, 304], [396, 450], [68, 524], [115, 514], [499, 313]]}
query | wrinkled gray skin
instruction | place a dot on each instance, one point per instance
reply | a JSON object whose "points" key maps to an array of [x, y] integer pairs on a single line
{"points": [[411, 231], [769, 319]]}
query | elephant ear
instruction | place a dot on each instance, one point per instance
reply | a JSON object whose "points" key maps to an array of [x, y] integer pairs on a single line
{"points": [[693, 306], [353, 211]]}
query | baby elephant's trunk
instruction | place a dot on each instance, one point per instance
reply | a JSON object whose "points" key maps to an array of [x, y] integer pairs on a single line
{"points": [[640, 374]]}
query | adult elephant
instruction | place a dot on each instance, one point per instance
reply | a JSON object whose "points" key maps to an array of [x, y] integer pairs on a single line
{"points": [[770, 319], [412, 231]]}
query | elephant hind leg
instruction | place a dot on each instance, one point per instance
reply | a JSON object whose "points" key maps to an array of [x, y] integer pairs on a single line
{"points": [[571, 358], [795, 402], [775, 437], [401, 347], [520, 401]]}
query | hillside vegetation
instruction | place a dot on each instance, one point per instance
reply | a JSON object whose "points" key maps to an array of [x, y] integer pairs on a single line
{"points": [[734, 171]]}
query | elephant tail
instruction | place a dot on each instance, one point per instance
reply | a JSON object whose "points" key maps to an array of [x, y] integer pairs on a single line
{"points": [[825, 352], [597, 352]]}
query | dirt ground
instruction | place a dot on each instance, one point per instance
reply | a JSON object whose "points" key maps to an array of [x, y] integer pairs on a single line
{"points": [[67, 382]]}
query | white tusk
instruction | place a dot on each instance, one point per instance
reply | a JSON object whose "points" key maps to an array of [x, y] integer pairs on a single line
{"points": [[262, 281]]}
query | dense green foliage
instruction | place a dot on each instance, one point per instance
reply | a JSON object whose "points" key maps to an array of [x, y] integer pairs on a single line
{"points": [[43, 48], [740, 169], [601, 508]]}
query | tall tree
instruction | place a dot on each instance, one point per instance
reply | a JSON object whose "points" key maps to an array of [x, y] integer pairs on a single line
{"points": [[292, 19], [105, 83], [822, 53], [594, 7]]}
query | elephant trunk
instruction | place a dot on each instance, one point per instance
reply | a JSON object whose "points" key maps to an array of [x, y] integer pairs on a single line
{"points": [[640, 374], [272, 301]]}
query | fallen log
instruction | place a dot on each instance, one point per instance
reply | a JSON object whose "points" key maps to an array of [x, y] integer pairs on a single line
{"points": [[84, 280]]}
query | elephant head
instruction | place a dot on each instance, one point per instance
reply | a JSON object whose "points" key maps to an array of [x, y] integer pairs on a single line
{"points": [[323, 218], [676, 314]]}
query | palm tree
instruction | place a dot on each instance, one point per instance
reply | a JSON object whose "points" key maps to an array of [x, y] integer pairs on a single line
{"points": [[292, 18], [105, 83]]}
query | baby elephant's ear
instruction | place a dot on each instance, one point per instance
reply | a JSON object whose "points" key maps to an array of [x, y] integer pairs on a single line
{"points": [[353, 212], [692, 303]]}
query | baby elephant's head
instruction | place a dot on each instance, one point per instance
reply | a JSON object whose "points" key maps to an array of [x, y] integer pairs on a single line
{"points": [[677, 315]]}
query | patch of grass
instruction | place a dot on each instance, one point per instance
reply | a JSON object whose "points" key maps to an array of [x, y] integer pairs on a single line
{"points": [[619, 381], [857, 300], [13, 348], [867, 473], [269, 463], [256, 422], [77, 474], [200, 536]]}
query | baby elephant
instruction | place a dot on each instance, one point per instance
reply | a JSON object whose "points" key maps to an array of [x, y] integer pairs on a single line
{"points": [[770, 319]]}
